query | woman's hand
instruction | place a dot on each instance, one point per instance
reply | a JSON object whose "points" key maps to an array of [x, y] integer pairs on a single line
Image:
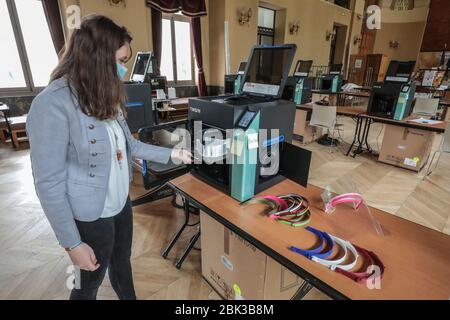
{"points": [[84, 258], [182, 155]]}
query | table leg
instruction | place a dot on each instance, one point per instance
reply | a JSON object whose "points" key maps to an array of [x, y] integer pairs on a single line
{"points": [[357, 133], [444, 113], [369, 149], [340, 97], [14, 139], [166, 251], [304, 289], [361, 138], [194, 239], [155, 112]]}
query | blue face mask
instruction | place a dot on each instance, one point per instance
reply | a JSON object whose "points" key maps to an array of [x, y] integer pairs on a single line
{"points": [[121, 70]]}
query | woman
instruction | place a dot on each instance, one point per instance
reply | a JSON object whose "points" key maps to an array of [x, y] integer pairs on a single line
{"points": [[81, 151]]}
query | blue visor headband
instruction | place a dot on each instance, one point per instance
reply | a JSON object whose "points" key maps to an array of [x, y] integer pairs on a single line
{"points": [[327, 242]]}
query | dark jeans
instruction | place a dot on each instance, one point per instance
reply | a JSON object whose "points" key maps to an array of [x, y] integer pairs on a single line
{"points": [[111, 241]]}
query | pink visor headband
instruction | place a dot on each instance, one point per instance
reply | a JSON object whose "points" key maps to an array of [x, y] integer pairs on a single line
{"points": [[355, 198]]}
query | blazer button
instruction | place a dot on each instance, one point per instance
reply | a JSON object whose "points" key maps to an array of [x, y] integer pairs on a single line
{"points": [[92, 175], [93, 141], [94, 154], [91, 127], [93, 166]]}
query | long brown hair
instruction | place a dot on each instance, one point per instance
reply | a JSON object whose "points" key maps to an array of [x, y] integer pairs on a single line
{"points": [[89, 64]]}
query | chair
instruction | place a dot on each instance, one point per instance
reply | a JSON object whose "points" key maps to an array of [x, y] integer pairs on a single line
{"points": [[15, 127], [18, 130], [426, 107], [444, 148], [156, 176], [325, 117], [3, 127]]}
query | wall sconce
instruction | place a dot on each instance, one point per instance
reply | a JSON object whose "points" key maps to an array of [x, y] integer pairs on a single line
{"points": [[357, 40], [245, 16], [330, 35], [393, 44], [117, 3], [294, 27]]}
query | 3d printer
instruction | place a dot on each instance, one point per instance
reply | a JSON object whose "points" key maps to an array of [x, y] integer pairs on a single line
{"points": [[298, 88], [332, 82], [144, 68], [142, 87], [393, 98], [233, 81], [236, 157], [139, 106]]}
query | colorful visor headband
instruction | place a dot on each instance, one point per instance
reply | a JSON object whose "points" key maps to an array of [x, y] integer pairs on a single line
{"points": [[338, 263], [326, 242], [275, 204], [362, 277], [354, 198], [292, 210]]}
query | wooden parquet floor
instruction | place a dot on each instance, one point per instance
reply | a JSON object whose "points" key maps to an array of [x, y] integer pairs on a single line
{"points": [[32, 266]]}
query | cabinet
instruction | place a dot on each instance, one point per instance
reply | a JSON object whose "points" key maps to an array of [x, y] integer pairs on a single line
{"points": [[357, 69], [376, 68]]}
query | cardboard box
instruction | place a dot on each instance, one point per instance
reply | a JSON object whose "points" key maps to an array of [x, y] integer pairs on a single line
{"points": [[406, 148], [229, 260], [302, 130]]}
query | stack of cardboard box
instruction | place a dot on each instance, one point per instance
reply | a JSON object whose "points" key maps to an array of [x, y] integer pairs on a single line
{"points": [[229, 263]]}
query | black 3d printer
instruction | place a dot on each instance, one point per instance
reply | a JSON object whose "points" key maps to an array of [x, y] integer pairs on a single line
{"points": [[144, 71], [235, 157], [332, 82], [298, 88], [393, 98], [140, 89], [233, 81]]}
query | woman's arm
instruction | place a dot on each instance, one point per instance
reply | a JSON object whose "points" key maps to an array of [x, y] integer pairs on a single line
{"points": [[48, 132], [149, 152], [142, 150], [157, 154]]}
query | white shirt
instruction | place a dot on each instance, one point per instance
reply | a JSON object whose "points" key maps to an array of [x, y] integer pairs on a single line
{"points": [[119, 183]]}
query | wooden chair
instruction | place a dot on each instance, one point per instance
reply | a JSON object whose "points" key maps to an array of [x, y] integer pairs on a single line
{"points": [[3, 127], [16, 130]]}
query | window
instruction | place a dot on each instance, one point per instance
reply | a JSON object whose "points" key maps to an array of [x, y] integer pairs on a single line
{"points": [[342, 3], [266, 26], [28, 54], [177, 62]]}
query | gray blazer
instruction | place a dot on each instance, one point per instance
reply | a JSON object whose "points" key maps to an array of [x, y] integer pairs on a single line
{"points": [[70, 156]]}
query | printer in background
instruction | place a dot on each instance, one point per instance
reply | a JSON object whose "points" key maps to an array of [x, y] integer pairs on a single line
{"points": [[233, 81], [332, 82], [393, 98], [139, 106], [143, 86], [298, 87]]}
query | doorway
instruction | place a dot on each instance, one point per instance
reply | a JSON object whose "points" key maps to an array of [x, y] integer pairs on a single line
{"points": [[337, 47]]}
